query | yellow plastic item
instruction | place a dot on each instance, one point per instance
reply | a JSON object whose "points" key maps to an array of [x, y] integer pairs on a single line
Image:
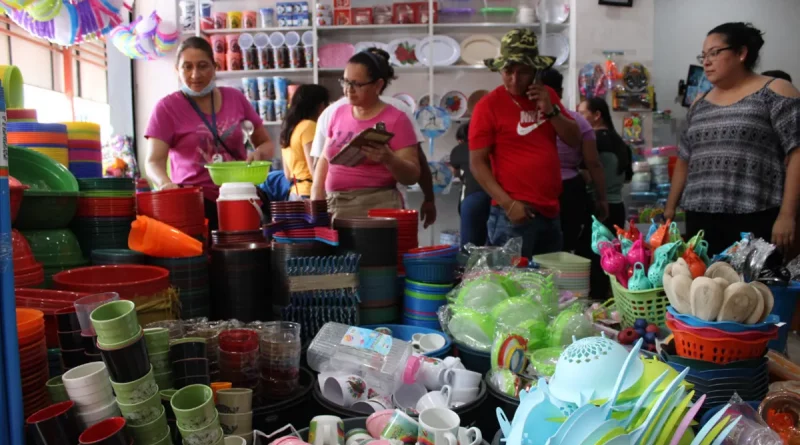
{"points": [[11, 77], [154, 238], [674, 418], [715, 431]]}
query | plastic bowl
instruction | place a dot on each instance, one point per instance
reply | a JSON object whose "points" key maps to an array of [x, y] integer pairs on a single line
{"points": [[727, 326], [239, 171], [128, 280], [718, 333], [16, 188], [40, 172], [46, 209], [53, 243]]}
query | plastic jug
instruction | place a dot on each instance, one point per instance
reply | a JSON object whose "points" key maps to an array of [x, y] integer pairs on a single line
{"points": [[696, 265], [383, 361], [239, 208], [639, 254], [639, 280], [614, 263]]}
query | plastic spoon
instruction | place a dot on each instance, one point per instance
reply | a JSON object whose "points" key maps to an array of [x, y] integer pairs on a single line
{"points": [[726, 432], [715, 431], [505, 425], [645, 395], [687, 420], [709, 425]]}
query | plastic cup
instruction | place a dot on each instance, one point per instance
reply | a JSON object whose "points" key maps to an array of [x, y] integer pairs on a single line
{"points": [[137, 391], [85, 305], [249, 19], [143, 412], [221, 60], [233, 61], [232, 41], [266, 109], [281, 107], [157, 340], [281, 88], [250, 87], [265, 88], [55, 424], [221, 20], [150, 432], [265, 60], [194, 407], [219, 43], [108, 432], [115, 322], [279, 56], [235, 19], [250, 58], [154, 238], [267, 17]]}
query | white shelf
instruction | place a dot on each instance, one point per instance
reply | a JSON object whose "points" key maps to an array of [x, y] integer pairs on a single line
{"points": [[255, 30], [421, 28], [487, 25], [272, 123], [420, 69], [256, 73]]}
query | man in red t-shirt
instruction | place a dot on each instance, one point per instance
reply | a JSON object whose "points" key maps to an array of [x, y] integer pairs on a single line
{"points": [[513, 152]]}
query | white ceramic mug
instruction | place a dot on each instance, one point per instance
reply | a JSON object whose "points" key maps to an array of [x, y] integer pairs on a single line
{"points": [[438, 426], [469, 436], [462, 378], [326, 430], [453, 363], [431, 373], [464, 395], [407, 396], [356, 439], [431, 342], [344, 391], [435, 399], [370, 406]]}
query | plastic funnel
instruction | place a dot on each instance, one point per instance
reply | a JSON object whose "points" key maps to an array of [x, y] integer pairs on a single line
{"points": [[154, 238], [84, 307]]}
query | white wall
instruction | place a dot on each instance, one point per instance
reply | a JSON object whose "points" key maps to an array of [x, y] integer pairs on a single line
{"points": [[682, 25]]}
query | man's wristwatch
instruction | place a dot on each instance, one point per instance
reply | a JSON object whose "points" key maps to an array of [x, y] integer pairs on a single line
{"points": [[556, 111]]}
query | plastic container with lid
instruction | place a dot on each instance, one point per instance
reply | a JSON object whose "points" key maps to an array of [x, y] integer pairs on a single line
{"points": [[384, 362]]}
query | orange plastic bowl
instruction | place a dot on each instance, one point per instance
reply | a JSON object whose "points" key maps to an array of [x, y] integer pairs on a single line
{"points": [[29, 319], [128, 280]]}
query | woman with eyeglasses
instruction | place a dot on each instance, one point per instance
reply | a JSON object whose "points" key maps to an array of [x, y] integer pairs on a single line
{"points": [[297, 135], [738, 168], [199, 125], [372, 183]]}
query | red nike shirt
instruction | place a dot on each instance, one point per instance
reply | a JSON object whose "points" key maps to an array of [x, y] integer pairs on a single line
{"points": [[524, 153]]}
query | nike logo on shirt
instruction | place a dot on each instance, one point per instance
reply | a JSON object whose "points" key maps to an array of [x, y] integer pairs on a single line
{"points": [[528, 117], [524, 131]]}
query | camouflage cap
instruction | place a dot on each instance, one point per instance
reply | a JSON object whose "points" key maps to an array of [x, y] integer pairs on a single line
{"points": [[520, 46]]}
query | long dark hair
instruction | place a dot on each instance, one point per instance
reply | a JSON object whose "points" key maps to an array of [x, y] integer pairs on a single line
{"points": [[305, 104], [377, 63], [617, 145]]}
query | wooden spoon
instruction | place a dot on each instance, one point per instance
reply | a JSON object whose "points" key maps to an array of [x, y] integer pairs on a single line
{"points": [[740, 300], [706, 298]]}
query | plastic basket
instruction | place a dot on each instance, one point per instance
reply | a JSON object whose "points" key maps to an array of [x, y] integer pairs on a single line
{"points": [[715, 350], [434, 270], [239, 171], [650, 305]]}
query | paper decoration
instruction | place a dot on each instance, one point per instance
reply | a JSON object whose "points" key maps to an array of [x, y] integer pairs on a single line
{"points": [[145, 38]]}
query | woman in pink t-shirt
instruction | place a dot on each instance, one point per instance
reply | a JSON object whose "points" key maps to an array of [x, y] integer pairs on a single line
{"points": [[352, 191], [200, 124]]}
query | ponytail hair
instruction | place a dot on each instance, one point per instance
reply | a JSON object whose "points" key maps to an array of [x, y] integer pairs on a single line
{"points": [[619, 147]]}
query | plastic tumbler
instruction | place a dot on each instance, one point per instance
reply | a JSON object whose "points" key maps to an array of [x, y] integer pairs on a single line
{"points": [[308, 55], [250, 58], [249, 19], [280, 110], [234, 61], [266, 109], [279, 56], [281, 88], [265, 59], [250, 87], [232, 41], [266, 89], [267, 17], [219, 44], [85, 305], [235, 19], [220, 20], [295, 59]]}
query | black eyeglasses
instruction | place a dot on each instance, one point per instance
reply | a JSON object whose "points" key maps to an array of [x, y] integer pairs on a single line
{"points": [[347, 84], [712, 54]]}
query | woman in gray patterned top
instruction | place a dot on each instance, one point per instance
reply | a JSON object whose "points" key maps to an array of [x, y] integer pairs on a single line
{"points": [[739, 164]]}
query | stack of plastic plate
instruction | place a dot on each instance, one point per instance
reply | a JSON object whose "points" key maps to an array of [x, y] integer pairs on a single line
{"points": [[190, 277], [407, 228], [85, 149], [27, 271], [18, 115], [32, 360], [47, 139], [105, 213], [573, 271], [180, 208]]}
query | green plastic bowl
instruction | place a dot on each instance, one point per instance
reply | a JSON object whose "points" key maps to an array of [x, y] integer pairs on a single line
{"points": [[40, 172], [239, 171], [53, 244], [46, 210], [107, 185]]}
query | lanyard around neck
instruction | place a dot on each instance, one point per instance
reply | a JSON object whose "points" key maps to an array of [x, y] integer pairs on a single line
{"points": [[212, 126]]}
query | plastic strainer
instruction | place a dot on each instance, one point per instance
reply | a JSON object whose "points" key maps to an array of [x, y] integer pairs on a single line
{"points": [[531, 425], [482, 294], [588, 369], [472, 328], [513, 312], [544, 360]]}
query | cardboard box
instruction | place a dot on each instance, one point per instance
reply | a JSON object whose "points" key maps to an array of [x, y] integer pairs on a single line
{"points": [[342, 17]]}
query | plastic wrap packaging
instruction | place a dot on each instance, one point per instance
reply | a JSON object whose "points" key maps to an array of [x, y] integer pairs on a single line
{"points": [[780, 412], [509, 350], [508, 383], [487, 258], [569, 325], [538, 285], [751, 429]]}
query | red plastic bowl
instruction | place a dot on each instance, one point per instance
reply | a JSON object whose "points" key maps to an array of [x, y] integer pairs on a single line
{"points": [[177, 207], [17, 188], [19, 245], [128, 280], [101, 431]]}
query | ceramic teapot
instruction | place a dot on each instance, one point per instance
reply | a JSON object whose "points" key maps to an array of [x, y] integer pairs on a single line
{"points": [[639, 280], [638, 253]]}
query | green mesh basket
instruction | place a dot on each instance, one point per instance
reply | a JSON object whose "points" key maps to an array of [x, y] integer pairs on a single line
{"points": [[650, 305], [239, 171]]}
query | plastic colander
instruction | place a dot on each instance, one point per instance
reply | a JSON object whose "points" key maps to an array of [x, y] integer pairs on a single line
{"points": [[472, 328], [588, 369], [514, 311], [482, 294], [239, 171]]}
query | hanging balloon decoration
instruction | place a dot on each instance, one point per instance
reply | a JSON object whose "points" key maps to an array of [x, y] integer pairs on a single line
{"points": [[65, 22], [145, 38]]}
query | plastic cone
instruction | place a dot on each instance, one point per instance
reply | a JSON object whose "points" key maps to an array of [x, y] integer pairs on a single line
{"points": [[154, 238]]}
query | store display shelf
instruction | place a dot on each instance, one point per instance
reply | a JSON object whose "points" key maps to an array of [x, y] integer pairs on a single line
{"points": [[256, 73], [255, 30], [272, 123], [419, 68], [373, 27], [502, 26]]}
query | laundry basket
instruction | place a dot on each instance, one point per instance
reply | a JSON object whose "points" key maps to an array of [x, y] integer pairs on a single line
{"points": [[650, 305]]}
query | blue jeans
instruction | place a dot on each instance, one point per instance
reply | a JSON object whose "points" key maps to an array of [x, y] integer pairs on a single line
{"points": [[474, 216], [539, 235]]}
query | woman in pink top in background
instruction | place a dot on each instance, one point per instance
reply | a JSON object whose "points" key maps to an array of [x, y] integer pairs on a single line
{"points": [[199, 125], [352, 191]]}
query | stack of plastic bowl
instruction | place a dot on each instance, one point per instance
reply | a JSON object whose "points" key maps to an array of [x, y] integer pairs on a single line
{"points": [[435, 264], [47, 301], [90, 388], [724, 357], [20, 115], [27, 271], [56, 249], [52, 198], [17, 191], [189, 362], [32, 359], [157, 340], [573, 271], [105, 212], [182, 209], [407, 230], [70, 341], [107, 257], [429, 277], [239, 292], [190, 277], [83, 308], [421, 301], [85, 149], [238, 358], [47, 139], [280, 358], [196, 416]]}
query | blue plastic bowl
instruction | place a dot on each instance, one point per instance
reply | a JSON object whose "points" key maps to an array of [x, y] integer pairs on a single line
{"points": [[424, 288], [404, 332], [727, 326], [415, 304], [429, 272]]}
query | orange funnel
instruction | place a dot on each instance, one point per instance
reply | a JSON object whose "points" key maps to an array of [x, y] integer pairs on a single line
{"points": [[153, 237]]}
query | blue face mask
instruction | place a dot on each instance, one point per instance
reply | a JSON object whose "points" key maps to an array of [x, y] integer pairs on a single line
{"points": [[192, 93]]}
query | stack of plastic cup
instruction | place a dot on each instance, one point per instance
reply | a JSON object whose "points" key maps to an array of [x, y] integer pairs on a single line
{"points": [[85, 149], [90, 388], [84, 307], [197, 417], [238, 358], [190, 277], [280, 358], [157, 340], [47, 139], [32, 359], [73, 348]]}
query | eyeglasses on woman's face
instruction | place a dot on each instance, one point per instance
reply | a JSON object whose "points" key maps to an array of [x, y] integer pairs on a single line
{"points": [[711, 54], [348, 84]]}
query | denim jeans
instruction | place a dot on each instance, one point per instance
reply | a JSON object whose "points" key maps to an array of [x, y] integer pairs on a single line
{"points": [[474, 217], [539, 235]]}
